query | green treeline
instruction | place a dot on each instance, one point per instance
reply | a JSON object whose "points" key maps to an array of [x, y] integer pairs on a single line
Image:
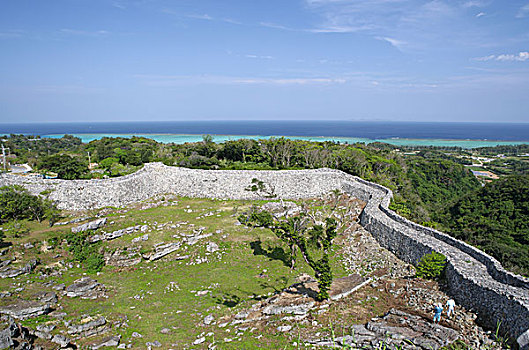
{"points": [[428, 183], [496, 220]]}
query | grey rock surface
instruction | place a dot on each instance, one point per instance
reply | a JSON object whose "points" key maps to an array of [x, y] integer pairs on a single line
{"points": [[61, 340], [112, 341], [92, 225], [86, 288], [23, 309], [10, 272], [89, 328]]}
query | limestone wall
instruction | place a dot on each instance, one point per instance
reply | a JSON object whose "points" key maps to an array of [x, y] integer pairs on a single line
{"points": [[476, 280]]}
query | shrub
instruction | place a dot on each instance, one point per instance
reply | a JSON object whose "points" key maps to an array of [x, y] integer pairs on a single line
{"points": [[85, 252], [431, 266]]}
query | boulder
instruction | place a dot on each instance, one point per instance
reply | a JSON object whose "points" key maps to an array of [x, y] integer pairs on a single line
{"points": [[8, 272], [23, 309], [123, 257], [162, 250], [112, 341], [89, 328], [86, 288], [7, 334], [92, 225], [61, 340]]}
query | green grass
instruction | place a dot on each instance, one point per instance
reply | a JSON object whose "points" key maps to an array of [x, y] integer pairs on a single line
{"points": [[230, 276]]}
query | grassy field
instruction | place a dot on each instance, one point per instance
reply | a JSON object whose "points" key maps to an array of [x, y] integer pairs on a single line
{"points": [[175, 295]]}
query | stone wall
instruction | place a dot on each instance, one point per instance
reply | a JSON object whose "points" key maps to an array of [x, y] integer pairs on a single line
{"points": [[476, 280]]}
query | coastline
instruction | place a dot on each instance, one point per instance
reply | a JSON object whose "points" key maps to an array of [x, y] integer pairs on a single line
{"points": [[218, 138]]}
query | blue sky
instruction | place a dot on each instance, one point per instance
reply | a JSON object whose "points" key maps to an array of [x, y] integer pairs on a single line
{"points": [[116, 60]]}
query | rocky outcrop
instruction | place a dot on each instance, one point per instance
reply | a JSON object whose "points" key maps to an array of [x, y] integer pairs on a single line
{"points": [[85, 288], [476, 280], [92, 225], [108, 236], [395, 329], [161, 250], [89, 327], [23, 309], [123, 257], [9, 272]]}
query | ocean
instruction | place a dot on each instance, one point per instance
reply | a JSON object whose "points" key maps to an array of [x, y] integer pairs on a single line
{"points": [[467, 135]]}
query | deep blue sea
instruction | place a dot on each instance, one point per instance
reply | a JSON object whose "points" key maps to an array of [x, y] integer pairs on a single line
{"points": [[399, 133]]}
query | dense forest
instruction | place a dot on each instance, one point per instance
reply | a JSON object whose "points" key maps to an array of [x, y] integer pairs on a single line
{"points": [[496, 220], [431, 185]]}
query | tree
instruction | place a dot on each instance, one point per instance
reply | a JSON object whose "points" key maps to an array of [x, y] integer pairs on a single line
{"points": [[299, 234], [66, 167], [17, 203]]}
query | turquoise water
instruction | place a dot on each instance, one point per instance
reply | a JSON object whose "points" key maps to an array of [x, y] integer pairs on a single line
{"points": [[182, 138]]}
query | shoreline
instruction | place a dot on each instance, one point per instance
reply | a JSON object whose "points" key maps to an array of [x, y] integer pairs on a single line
{"points": [[219, 138]]}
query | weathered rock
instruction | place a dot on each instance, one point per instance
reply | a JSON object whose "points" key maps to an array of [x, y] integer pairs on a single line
{"points": [[212, 247], [112, 341], [143, 238], [61, 340], [4, 263], [199, 340], [284, 328], [7, 334], [89, 328], [46, 327], [108, 236], [47, 297], [123, 258], [398, 328], [194, 239], [163, 250], [86, 288], [92, 225], [208, 319], [281, 209], [23, 309], [155, 344], [14, 272], [299, 309]]}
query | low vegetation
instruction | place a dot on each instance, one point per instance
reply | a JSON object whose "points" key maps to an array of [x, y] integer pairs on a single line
{"points": [[431, 266], [16, 203], [429, 183]]}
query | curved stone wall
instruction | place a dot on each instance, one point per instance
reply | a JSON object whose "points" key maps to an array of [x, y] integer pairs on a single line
{"points": [[476, 280]]}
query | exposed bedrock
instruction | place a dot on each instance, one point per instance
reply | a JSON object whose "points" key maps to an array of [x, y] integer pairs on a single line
{"points": [[476, 280]]}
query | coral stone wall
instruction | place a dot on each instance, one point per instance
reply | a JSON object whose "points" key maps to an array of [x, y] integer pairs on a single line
{"points": [[476, 280]]}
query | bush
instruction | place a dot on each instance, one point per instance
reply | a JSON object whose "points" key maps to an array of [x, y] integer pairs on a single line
{"points": [[85, 252], [94, 263], [431, 266], [17, 203]]}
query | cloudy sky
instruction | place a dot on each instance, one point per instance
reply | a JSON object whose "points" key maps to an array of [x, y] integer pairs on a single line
{"points": [[117, 60]]}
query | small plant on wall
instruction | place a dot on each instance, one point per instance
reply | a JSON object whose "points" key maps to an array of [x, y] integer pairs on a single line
{"points": [[431, 266]]}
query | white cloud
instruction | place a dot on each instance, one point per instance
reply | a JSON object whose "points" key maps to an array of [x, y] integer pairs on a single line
{"points": [[340, 29], [204, 16], [84, 32], [523, 11], [175, 80], [262, 57], [520, 57], [481, 14], [394, 42], [475, 3], [275, 26]]}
